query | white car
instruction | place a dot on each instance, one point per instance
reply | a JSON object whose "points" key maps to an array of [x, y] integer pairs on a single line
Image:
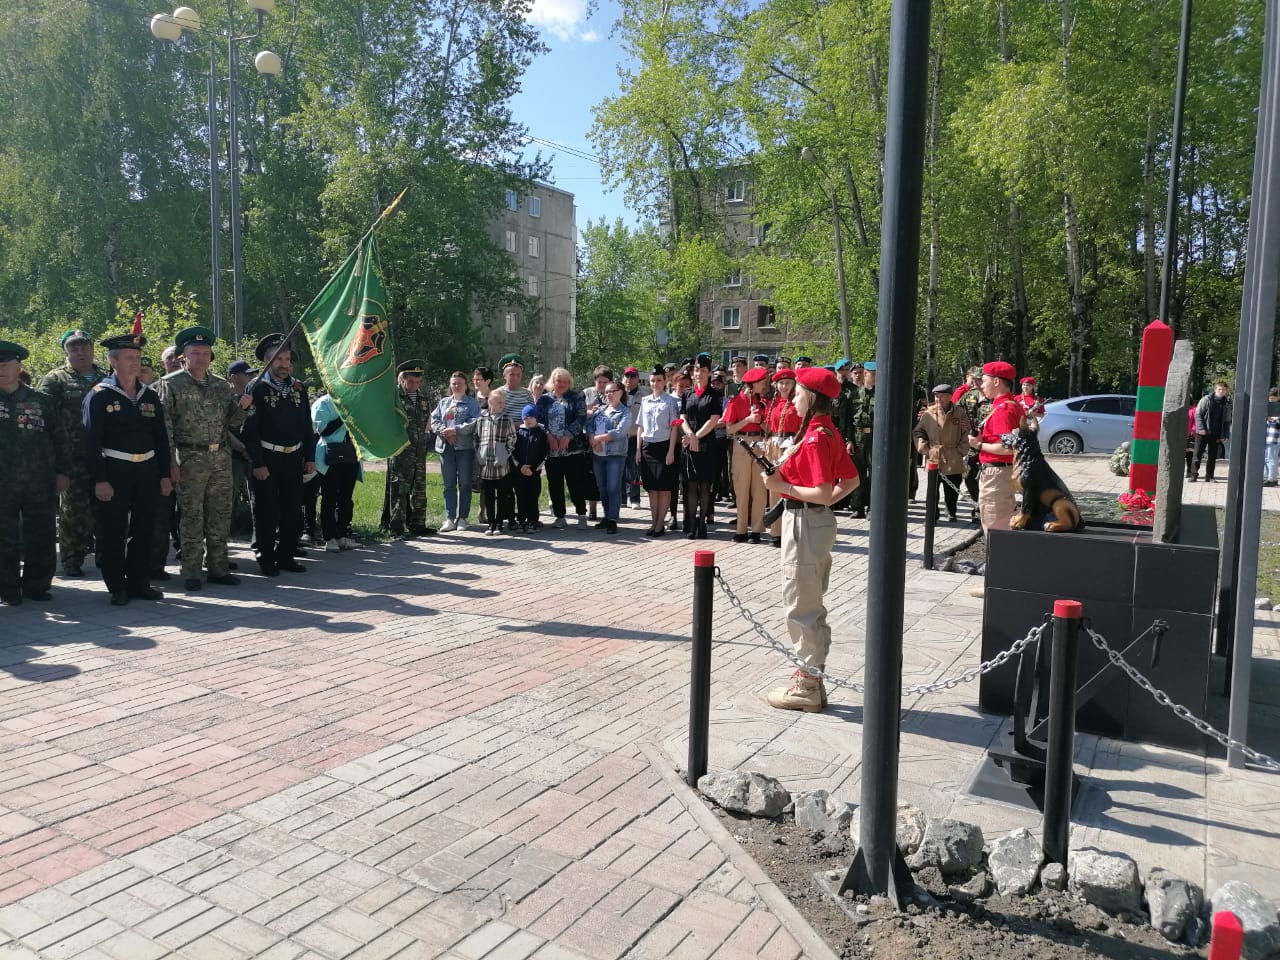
{"points": [[1094, 424]]}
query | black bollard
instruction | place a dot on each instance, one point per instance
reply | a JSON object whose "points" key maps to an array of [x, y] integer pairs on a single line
{"points": [[930, 511], [704, 572], [1059, 763]]}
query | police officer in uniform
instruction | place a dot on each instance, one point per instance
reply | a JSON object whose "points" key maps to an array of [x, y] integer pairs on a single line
{"points": [[201, 409], [816, 472], [67, 387], [127, 454], [35, 463], [407, 471], [281, 443]]}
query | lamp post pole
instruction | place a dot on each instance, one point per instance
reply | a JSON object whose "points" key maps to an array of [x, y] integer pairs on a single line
{"points": [[237, 239], [215, 198]]}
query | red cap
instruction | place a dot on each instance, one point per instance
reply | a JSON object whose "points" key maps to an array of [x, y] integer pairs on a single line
{"points": [[1001, 369], [629, 371], [819, 380], [786, 373], [755, 375], [1030, 380]]}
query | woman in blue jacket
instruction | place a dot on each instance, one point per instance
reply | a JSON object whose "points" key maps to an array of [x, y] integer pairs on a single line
{"points": [[454, 422]]}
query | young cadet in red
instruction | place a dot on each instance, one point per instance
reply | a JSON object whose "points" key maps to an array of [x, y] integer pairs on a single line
{"points": [[995, 481], [816, 472], [745, 416], [784, 424], [1028, 399]]}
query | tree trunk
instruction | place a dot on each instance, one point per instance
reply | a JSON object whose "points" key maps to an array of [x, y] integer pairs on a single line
{"points": [[935, 213], [1077, 370], [1149, 219], [1019, 315]]}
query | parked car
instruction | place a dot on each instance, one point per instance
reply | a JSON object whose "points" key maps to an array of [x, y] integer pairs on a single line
{"points": [[1094, 424]]}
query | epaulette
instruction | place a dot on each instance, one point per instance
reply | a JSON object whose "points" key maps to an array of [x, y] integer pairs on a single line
{"points": [[97, 387]]}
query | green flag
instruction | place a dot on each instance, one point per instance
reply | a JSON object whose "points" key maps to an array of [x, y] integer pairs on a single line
{"points": [[350, 337]]}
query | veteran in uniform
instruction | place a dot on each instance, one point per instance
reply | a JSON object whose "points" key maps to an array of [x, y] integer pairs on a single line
{"points": [[35, 462], [127, 454], [67, 386], [281, 443], [407, 471], [200, 411]]}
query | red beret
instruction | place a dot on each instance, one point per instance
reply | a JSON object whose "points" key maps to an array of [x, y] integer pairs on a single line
{"points": [[786, 373], [755, 375], [1030, 380], [819, 380], [1001, 369]]}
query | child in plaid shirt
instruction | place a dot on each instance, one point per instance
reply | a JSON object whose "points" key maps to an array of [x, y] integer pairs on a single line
{"points": [[495, 438]]}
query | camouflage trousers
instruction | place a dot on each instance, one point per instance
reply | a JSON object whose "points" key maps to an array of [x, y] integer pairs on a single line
{"points": [[28, 553], [407, 486], [204, 505], [75, 518]]}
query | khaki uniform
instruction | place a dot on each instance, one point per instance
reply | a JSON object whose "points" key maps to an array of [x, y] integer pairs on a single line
{"points": [[806, 572], [67, 389], [748, 486], [199, 418], [943, 438], [407, 471]]}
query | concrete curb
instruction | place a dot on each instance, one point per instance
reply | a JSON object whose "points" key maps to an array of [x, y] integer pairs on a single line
{"points": [[812, 946]]}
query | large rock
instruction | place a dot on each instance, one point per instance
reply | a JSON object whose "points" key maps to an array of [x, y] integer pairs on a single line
{"points": [[1257, 916], [953, 846], [745, 792], [1172, 901], [1107, 880], [908, 828], [1014, 862], [1053, 877], [818, 811]]}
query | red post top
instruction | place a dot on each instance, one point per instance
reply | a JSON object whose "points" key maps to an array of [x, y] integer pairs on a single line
{"points": [[1227, 940], [704, 558], [1068, 609]]}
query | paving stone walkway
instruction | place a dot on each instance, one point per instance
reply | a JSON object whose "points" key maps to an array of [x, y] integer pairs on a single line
{"points": [[462, 748]]}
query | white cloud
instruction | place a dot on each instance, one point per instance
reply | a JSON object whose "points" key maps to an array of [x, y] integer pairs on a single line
{"points": [[565, 19]]}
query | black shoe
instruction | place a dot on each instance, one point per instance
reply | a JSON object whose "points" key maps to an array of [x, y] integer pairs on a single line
{"points": [[39, 595], [602, 524], [660, 533], [10, 599], [119, 598], [739, 538], [951, 517], [1191, 478], [195, 584], [146, 593], [162, 575], [293, 566], [225, 579], [72, 570], [611, 526], [422, 531], [692, 534], [777, 542], [268, 569], [753, 537]]}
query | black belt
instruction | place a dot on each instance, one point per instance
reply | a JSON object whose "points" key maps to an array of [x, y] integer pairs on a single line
{"points": [[783, 436], [1001, 465], [803, 505], [202, 447]]}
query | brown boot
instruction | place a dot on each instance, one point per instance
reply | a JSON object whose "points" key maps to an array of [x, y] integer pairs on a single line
{"points": [[805, 693]]}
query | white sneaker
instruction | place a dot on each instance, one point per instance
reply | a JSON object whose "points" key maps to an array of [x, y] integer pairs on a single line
{"points": [[332, 546], [560, 523], [582, 521], [461, 525], [448, 526], [346, 543]]}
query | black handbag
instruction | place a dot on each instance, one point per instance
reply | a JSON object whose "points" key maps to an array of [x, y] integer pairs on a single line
{"points": [[341, 452]]}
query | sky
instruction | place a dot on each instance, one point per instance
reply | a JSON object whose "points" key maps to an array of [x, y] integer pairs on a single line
{"points": [[561, 87]]}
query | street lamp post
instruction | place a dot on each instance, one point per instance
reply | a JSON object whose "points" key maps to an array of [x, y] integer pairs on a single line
{"points": [[808, 156], [171, 27]]}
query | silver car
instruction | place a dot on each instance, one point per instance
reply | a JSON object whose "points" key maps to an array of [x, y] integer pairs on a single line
{"points": [[1094, 424]]}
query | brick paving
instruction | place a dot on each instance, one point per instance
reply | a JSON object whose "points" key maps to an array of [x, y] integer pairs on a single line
{"points": [[435, 749]]}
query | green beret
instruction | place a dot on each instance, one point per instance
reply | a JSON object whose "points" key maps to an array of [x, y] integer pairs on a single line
{"points": [[201, 336], [509, 359], [10, 351], [75, 336]]}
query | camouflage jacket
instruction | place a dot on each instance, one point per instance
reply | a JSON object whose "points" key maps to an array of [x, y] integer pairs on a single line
{"points": [[846, 409], [197, 414], [419, 418], [67, 389], [864, 410], [33, 439], [976, 406]]}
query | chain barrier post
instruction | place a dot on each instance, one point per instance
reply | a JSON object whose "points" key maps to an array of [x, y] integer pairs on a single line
{"points": [[1226, 941], [704, 572], [1059, 770], [930, 513]]}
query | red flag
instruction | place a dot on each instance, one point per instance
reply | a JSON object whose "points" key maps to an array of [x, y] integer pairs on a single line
{"points": [[137, 324]]}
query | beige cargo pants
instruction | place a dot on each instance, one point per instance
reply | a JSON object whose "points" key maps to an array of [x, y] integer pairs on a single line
{"points": [[807, 539]]}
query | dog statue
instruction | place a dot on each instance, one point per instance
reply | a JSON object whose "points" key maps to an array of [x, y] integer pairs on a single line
{"points": [[1047, 504]]}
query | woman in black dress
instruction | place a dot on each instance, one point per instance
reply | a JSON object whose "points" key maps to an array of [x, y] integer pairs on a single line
{"points": [[700, 410]]}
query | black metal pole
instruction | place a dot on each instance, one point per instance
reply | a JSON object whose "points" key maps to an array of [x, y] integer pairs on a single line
{"points": [[930, 512], [1059, 770], [1175, 164], [704, 571], [878, 867], [215, 198]]}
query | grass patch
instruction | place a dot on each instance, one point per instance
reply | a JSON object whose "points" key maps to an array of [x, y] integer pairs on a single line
{"points": [[1269, 556]]}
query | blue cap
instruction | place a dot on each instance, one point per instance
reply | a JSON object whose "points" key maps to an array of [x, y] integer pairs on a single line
{"points": [[870, 365], [842, 363], [241, 366], [529, 411]]}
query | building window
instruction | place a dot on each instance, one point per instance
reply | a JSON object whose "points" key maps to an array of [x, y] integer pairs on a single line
{"points": [[727, 355], [535, 206], [511, 241], [730, 318], [533, 246], [735, 191], [764, 317], [533, 285], [511, 199], [511, 321], [733, 278]]}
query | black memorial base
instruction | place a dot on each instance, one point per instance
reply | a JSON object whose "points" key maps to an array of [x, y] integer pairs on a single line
{"points": [[1126, 582]]}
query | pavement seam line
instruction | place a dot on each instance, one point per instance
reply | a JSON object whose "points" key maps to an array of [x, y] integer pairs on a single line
{"points": [[812, 946]]}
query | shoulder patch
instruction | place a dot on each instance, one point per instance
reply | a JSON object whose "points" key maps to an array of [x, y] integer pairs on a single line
{"points": [[98, 386]]}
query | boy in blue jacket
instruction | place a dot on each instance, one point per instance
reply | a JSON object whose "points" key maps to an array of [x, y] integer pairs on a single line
{"points": [[530, 451]]}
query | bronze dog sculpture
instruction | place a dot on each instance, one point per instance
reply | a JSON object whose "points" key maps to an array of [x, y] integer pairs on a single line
{"points": [[1047, 504]]}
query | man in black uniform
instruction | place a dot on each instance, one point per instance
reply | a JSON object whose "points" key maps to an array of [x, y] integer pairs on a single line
{"points": [[281, 443], [127, 454]]}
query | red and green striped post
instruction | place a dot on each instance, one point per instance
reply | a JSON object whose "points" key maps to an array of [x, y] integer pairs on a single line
{"points": [[1153, 373]]}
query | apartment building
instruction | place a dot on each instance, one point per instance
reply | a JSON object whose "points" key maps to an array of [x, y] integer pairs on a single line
{"points": [[537, 228]]}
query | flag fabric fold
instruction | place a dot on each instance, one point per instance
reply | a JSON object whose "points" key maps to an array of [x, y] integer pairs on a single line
{"points": [[350, 337]]}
